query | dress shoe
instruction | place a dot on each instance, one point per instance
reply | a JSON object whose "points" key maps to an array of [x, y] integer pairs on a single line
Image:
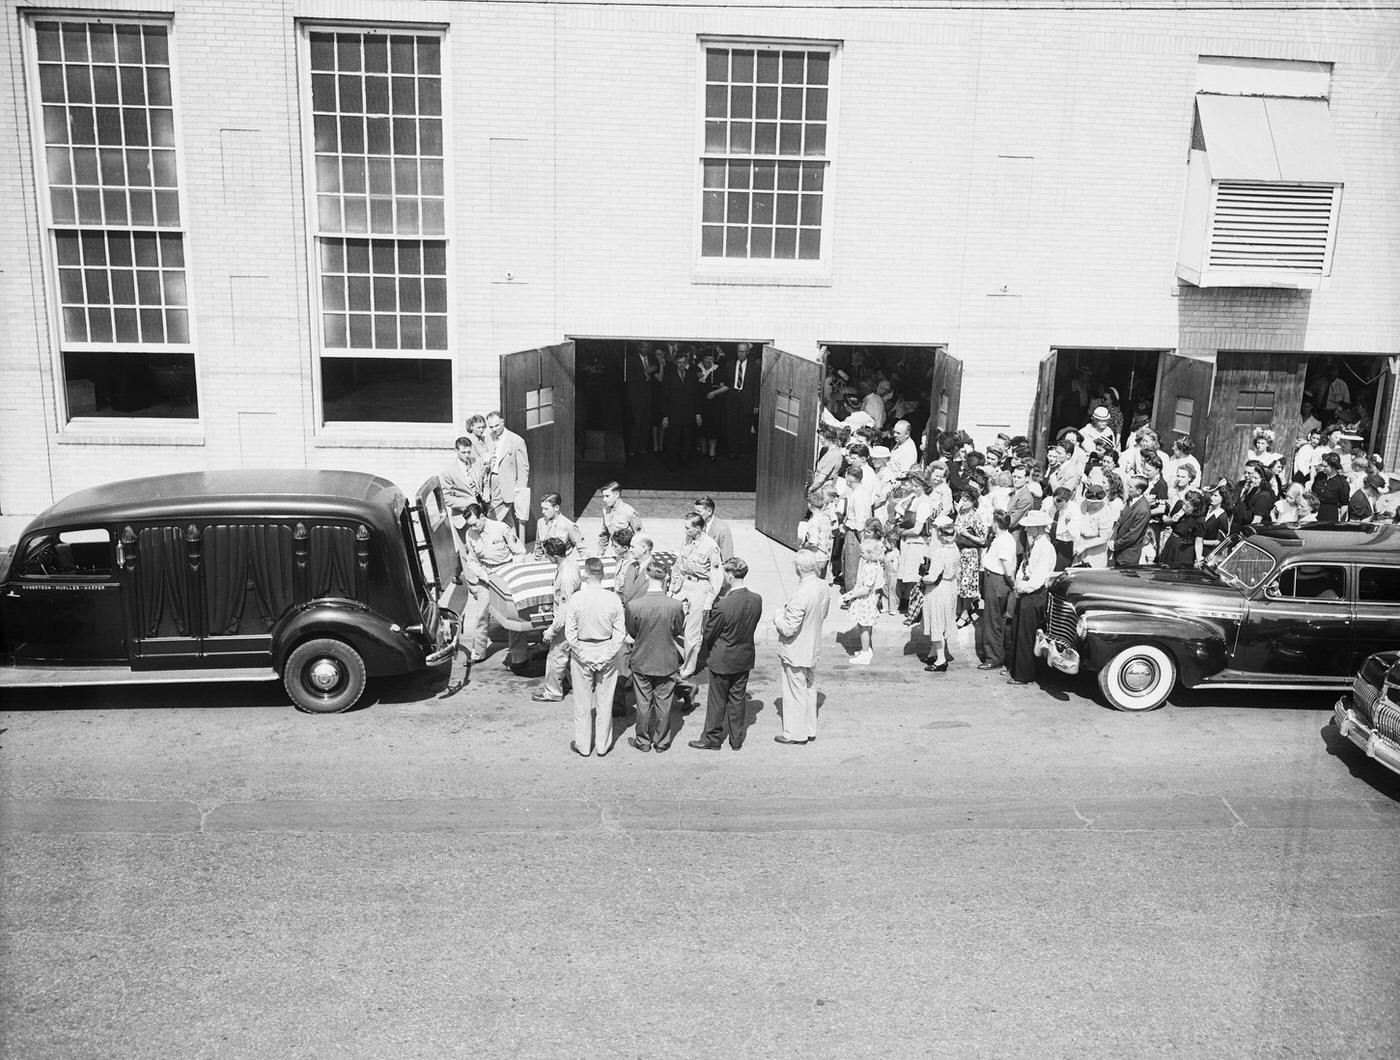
{"points": [[784, 739], [661, 746], [704, 745], [640, 745], [988, 666], [937, 668], [546, 697], [1013, 681], [574, 748]]}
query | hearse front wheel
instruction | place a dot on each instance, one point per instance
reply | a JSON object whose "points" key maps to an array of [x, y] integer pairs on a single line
{"points": [[324, 676], [1138, 678]]}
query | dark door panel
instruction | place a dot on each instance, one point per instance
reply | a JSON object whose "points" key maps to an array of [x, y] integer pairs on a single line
{"points": [[787, 442], [63, 600], [537, 401], [1377, 621], [1301, 625]]}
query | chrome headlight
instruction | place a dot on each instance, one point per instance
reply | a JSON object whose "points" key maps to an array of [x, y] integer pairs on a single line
{"points": [[1081, 628]]}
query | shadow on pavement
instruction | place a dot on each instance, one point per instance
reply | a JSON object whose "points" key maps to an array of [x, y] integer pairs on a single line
{"points": [[1374, 775]]}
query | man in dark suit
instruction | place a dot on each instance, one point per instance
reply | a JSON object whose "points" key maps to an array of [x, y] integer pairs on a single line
{"points": [[638, 372], [680, 412], [741, 400], [656, 628], [1363, 502], [729, 630], [1130, 531]]}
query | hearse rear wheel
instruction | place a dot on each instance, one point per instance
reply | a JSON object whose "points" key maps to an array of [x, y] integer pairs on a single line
{"points": [[1138, 678], [324, 676]]}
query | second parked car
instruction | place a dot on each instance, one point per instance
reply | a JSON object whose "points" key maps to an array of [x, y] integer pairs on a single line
{"points": [[1282, 607]]}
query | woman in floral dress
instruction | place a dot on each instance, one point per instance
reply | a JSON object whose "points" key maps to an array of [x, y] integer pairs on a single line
{"points": [[970, 534]]}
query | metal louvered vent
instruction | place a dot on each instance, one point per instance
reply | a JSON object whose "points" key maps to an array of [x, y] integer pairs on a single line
{"points": [[1271, 226]]}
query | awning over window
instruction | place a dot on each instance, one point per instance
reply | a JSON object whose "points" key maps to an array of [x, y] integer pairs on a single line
{"points": [[1269, 139]]}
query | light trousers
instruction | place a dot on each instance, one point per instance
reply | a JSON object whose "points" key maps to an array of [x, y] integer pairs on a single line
{"points": [[556, 664], [695, 594], [593, 698], [799, 702]]}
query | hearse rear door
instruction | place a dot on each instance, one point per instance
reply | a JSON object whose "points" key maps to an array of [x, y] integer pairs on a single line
{"points": [[62, 601], [434, 537]]}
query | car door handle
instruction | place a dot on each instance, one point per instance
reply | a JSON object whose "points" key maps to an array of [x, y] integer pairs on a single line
{"points": [[13, 592]]}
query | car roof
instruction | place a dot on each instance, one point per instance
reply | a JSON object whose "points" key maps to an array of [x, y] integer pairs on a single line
{"points": [[273, 491], [1355, 542]]}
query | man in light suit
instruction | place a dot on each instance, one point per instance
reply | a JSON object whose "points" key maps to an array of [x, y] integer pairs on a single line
{"points": [[461, 481], [510, 476], [718, 529], [729, 630], [799, 626], [656, 627], [1130, 531]]}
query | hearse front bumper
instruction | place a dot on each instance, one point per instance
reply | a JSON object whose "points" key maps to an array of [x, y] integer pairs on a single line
{"points": [[445, 642]]}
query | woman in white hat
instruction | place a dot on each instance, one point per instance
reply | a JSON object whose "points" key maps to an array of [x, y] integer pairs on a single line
{"points": [[940, 584], [1099, 426]]}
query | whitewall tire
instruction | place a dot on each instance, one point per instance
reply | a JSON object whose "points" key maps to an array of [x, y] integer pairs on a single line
{"points": [[1138, 678]]}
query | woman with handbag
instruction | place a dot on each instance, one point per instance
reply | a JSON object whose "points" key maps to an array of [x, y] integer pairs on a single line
{"points": [[940, 584], [913, 538]]}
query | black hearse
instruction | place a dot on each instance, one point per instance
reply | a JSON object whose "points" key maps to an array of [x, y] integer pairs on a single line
{"points": [[321, 578]]}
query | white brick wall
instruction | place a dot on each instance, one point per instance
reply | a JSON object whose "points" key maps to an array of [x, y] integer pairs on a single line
{"points": [[1043, 150]]}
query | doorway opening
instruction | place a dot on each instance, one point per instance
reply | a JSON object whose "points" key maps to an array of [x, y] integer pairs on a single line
{"points": [[916, 376], [626, 389], [1346, 390], [1085, 377]]}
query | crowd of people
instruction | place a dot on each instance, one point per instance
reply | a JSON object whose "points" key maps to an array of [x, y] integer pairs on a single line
{"points": [[952, 538], [961, 536], [666, 617], [688, 401]]}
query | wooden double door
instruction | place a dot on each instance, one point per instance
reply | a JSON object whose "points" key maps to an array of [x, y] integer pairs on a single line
{"points": [[788, 415]]}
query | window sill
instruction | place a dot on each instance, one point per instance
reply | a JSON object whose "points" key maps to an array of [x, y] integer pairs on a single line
{"points": [[128, 432], [383, 436], [765, 277]]}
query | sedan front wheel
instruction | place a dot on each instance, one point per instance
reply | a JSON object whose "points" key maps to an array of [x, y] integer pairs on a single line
{"points": [[1138, 678]]}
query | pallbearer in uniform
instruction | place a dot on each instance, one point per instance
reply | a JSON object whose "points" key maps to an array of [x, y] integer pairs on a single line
{"points": [[617, 513], [696, 579]]}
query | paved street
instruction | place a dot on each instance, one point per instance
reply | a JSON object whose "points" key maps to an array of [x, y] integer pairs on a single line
{"points": [[955, 867]]}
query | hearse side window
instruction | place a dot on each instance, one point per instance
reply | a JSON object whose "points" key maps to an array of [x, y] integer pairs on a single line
{"points": [[1379, 585], [1313, 582], [68, 554]]}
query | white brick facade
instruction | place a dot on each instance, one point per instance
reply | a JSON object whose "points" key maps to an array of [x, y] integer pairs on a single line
{"points": [[1006, 181]]}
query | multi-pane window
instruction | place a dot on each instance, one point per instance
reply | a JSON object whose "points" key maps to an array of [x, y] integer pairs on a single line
{"points": [[376, 139], [1254, 408], [787, 412], [766, 151], [1183, 415], [114, 217], [539, 408]]}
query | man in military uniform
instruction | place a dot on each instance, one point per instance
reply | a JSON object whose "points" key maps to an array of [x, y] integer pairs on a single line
{"points": [[696, 579]]}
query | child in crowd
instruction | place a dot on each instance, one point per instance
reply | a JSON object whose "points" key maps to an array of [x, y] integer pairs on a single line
{"points": [[864, 596]]}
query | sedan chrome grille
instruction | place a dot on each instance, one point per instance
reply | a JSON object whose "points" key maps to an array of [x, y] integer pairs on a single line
{"points": [[1060, 621], [1386, 720], [1364, 696]]}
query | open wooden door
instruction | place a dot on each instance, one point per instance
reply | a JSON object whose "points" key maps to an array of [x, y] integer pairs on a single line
{"points": [[789, 407], [945, 397], [1183, 401], [1385, 398], [1255, 389], [1044, 405], [537, 400]]}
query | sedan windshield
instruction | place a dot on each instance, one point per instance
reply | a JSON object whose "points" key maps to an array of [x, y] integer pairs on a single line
{"points": [[1246, 565]]}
